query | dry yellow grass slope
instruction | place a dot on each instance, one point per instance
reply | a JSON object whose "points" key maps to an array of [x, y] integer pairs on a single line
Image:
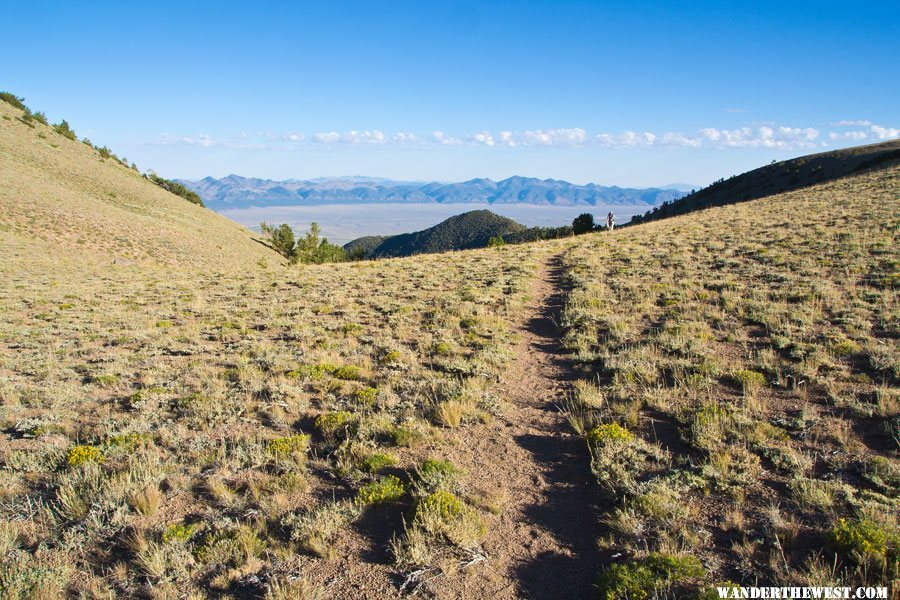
{"points": [[62, 205], [336, 430], [741, 398]]}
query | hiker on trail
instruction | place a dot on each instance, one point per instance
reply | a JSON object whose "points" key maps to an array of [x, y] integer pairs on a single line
{"points": [[610, 221]]}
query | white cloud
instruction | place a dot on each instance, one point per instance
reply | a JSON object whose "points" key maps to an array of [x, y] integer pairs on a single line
{"points": [[761, 137], [871, 132], [574, 136], [203, 140], [628, 139], [351, 137], [404, 138], [884, 133], [678, 139], [862, 123], [767, 135], [484, 138], [439, 137], [507, 138]]}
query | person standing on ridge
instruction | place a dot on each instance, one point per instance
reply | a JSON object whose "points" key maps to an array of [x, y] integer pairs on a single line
{"points": [[610, 221]]}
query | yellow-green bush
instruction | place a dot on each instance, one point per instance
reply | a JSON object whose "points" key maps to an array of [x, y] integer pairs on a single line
{"points": [[79, 455], [348, 372], [287, 445], [608, 433], [178, 532], [862, 540], [386, 489], [331, 423], [442, 514], [642, 579], [366, 396], [373, 463]]}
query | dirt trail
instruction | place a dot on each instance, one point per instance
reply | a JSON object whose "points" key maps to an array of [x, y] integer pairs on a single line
{"points": [[543, 545]]}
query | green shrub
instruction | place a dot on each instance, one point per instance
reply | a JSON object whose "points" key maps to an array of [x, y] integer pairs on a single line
{"points": [[332, 423], [391, 358], [583, 223], [366, 396], [79, 455], [386, 489], [178, 533], [617, 457], [130, 441], [63, 129], [376, 462], [441, 349], [750, 381], [441, 503], [435, 474], [171, 186], [106, 380], [642, 579], [861, 540], [13, 100], [468, 322], [608, 433], [288, 445], [40, 117], [231, 547], [844, 348], [348, 373], [441, 514], [104, 152], [405, 437], [708, 425]]}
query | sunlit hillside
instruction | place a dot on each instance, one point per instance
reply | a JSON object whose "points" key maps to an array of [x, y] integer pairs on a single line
{"points": [[740, 393], [63, 207], [697, 400]]}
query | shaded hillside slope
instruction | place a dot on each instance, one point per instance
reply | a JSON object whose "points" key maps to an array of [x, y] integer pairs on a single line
{"points": [[781, 177], [60, 201], [462, 232]]}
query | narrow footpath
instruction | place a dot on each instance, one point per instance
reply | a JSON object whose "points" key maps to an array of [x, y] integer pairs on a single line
{"points": [[543, 545]]}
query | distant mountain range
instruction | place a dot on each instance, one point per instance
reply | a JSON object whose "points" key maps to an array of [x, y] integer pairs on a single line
{"points": [[234, 191]]}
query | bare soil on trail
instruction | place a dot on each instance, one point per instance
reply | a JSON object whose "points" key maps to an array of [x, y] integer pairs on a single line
{"points": [[544, 543], [535, 470]]}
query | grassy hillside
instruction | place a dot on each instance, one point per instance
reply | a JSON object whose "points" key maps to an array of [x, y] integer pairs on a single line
{"points": [[781, 177], [233, 435], [62, 204], [740, 392], [181, 414]]}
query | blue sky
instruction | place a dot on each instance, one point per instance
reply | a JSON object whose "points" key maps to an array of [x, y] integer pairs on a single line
{"points": [[630, 93]]}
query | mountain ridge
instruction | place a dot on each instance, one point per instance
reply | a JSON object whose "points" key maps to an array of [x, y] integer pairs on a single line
{"points": [[234, 191], [780, 177]]}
